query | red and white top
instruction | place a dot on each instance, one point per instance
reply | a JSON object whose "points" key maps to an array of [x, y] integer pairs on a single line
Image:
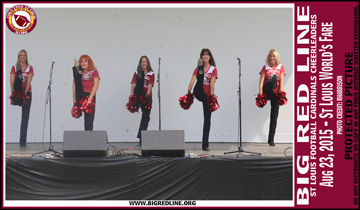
{"points": [[210, 73], [269, 72], [88, 80], [149, 79], [29, 70]]}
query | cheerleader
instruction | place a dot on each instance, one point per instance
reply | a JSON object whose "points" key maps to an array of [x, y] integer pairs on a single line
{"points": [[20, 82], [272, 82], [205, 75], [141, 91], [85, 85]]}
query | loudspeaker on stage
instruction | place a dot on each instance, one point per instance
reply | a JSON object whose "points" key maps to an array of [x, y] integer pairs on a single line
{"points": [[168, 143], [85, 144]]}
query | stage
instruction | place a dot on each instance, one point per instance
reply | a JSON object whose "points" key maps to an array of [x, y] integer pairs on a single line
{"points": [[216, 149], [126, 175]]}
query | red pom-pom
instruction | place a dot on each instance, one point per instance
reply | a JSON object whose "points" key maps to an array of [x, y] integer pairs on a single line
{"points": [[86, 107], [82, 105], [261, 100], [281, 96], [186, 101], [90, 107], [213, 103], [18, 98], [145, 100], [75, 111], [133, 104]]}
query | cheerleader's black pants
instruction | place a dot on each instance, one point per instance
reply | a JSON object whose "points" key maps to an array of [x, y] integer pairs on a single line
{"points": [[273, 116], [89, 118], [145, 119], [207, 123], [268, 89], [25, 120]]}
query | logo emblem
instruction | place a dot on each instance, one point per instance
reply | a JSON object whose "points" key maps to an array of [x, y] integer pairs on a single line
{"points": [[21, 19]]}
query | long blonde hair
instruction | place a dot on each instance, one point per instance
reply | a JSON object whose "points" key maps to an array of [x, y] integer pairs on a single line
{"points": [[277, 56], [18, 58]]}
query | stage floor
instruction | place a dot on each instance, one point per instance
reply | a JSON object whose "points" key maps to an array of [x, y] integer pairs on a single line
{"points": [[191, 148], [209, 175]]}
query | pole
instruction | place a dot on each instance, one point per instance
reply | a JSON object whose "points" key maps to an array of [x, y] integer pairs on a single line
{"points": [[239, 93], [159, 95], [51, 146], [240, 148], [49, 99]]}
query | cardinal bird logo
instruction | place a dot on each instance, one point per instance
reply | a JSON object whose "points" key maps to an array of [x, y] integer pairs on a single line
{"points": [[21, 19]]}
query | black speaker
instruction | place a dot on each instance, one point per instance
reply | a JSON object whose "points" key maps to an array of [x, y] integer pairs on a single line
{"points": [[168, 143], [85, 144]]}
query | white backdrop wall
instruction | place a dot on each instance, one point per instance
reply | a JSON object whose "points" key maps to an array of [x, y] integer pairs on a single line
{"points": [[116, 38]]}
